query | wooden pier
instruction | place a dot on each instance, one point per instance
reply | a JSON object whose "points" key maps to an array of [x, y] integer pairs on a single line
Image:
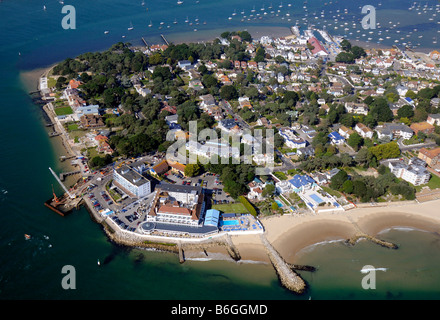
{"points": [[63, 175], [145, 42], [62, 158], [162, 36]]}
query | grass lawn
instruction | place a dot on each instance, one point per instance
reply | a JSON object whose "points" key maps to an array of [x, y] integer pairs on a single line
{"points": [[51, 82], [63, 111], [434, 182], [280, 175], [230, 208], [72, 127], [332, 192]]}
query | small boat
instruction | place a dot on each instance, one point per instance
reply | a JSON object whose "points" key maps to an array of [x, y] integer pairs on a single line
{"points": [[44, 8], [99, 262], [26, 236], [179, 2], [106, 32], [151, 24], [130, 27]]}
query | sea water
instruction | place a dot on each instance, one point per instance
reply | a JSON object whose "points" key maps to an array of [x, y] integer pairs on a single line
{"points": [[409, 272]]}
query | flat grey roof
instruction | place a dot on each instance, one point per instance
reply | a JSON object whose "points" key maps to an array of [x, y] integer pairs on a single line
{"points": [[179, 188], [149, 226], [132, 176]]}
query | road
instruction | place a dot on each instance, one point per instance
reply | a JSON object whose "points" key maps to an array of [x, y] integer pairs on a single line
{"points": [[403, 147]]}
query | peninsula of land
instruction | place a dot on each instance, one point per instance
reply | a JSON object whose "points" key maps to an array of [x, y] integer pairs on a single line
{"points": [[357, 144]]}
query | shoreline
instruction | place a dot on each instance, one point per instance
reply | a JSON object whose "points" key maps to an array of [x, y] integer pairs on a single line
{"points": [[291, 235], [288, 234]]}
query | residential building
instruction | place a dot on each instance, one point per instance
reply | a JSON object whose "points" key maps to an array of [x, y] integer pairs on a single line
{"points": [[255, 190], [345, 132], [229, 125], [302, 182], [291, 140], [364, 131], [86, 110], [430, 156], [336, 138], [357, 108], [308, 151], [130, 181], [160, 168], [434, 119], [184, 64], [91, 121], [415, 174], [424, 127], [393, 131]]}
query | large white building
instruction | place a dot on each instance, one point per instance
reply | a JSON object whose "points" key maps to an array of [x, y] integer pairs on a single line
{"points": [[291, 139], [415, 174], [132, 181]]}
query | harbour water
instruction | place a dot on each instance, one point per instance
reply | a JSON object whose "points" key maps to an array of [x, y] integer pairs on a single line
{"points": [[33, 38]]}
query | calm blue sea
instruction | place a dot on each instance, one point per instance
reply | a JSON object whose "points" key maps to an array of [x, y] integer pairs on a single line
{"points": [[32, 38]]}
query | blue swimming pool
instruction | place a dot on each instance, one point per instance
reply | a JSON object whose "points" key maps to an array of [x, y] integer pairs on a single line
{"points": [[316, 198], [229, 223], [279, 203]]}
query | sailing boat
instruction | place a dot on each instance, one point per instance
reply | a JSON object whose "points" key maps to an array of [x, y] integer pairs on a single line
{"points": [[151, 24], [131, 27], [44, 8], [99, 262], [179, 2]]}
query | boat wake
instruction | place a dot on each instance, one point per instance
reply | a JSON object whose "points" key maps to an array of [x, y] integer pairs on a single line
{"points": [[366, 270]]}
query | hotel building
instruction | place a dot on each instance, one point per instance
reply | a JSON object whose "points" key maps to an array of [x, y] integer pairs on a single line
{"points": [[131, 181]]}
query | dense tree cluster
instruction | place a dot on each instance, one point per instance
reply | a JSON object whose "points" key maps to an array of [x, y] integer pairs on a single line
{"points": [[350, 53], [368, 188]]}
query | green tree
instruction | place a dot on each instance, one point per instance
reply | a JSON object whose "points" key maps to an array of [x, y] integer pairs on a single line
{"points": [[355, 141], [338, 180], [192, 169], [386, 151], [228, 92], [406, 111], [347, 187], [268, 190]]}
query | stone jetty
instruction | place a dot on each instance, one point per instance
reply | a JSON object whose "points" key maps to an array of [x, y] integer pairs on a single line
{"points": [[289, 278], [383, 243]]}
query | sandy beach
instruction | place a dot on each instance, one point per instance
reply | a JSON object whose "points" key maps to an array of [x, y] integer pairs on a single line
{"points": [[289, 234]]}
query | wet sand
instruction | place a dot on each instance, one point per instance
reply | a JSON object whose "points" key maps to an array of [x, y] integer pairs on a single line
{"points": [[290, 234]]}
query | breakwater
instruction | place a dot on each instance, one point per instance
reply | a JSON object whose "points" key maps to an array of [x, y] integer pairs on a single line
{"points": [[288, 278], [383, 243]]}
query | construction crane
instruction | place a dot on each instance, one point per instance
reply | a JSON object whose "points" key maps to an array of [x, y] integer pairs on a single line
{"points": [[55, 198], [62, 185]]}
